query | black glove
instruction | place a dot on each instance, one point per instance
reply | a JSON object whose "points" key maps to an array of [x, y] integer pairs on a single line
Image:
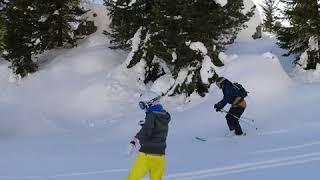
{"points": [[217, 107], [133, 142], [141, 123]]}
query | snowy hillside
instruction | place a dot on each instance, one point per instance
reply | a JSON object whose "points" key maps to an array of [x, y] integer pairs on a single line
{"points": [[73, 119]]}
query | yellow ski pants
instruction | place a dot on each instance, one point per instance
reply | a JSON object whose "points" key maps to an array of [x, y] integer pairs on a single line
{"points": [[147, 163]]}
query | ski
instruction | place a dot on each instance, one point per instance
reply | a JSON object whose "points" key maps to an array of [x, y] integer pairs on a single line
{"points": [[227, 136], [201, 138]]}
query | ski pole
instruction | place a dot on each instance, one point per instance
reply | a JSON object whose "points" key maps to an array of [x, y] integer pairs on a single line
{"points": [[249, 119], [241, 119]]}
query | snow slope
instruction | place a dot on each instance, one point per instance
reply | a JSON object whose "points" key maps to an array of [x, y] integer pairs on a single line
{"points": [[79, 88], [286, 144], [73, 120]]}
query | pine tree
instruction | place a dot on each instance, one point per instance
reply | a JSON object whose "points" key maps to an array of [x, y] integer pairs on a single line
{"points": [[2, 26], [22, 31], [35, 26], [302, 36], [58, 21], [180, 38], [269, 8], [127, 18], [2, 32]]}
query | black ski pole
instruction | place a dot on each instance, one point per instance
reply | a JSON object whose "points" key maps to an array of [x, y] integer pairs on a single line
{"points": [[249, 119], [241, 119]]}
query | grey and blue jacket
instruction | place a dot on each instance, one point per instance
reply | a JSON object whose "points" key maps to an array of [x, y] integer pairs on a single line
{"points": [[154, 131]]}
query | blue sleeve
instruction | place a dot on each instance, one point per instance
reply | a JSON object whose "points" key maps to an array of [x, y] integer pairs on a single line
{"points": [[227, 95], [222, 103]]}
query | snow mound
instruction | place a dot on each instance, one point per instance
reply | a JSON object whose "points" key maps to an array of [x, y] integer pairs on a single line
{"points": [[67, 93], [264, 78], [309, 76], [246, 34], [99, 15]]}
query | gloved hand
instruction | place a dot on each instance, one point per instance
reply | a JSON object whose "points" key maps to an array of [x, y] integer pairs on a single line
{"points": [[217, 107], [132, 145], [141, 122], [134, 141]]}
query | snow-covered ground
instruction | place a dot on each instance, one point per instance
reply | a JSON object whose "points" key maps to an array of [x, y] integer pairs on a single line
{"points": [[73, 120]]}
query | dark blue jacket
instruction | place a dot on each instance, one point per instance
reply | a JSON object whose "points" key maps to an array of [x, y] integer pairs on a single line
{"points": [[230, 92]]}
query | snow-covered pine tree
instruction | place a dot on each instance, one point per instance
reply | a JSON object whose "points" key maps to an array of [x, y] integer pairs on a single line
{"points": [[127, 17], [301, 38], [269, 8], [180, 38], [22, 34], [59, 21]]}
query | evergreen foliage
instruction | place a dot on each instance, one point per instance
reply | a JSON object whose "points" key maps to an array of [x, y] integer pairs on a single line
{"points": [[2, 32], [2, 26], [127, 19], [171, 32], [59, 20], [35, 26], [269, 8], [21, 23], [304, 18]]}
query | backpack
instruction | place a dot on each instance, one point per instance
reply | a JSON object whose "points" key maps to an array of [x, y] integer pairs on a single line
{"points": [[241, 91]]}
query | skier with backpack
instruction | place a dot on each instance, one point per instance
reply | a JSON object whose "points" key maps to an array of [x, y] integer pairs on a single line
{"points": [[234, 94], [152, 139]]}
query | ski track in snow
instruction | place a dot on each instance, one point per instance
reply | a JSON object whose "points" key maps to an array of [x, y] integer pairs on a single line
{"points": [[200, 174], [67, 175], [245, 167], [288, 148], [266, 133], [219, 171]]}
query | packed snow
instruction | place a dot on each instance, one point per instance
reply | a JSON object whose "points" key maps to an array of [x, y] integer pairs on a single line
{"points": [[73, 119]]}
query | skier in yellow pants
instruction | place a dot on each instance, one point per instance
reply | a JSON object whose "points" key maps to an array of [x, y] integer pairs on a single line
{"points": [[147, 163], [152, 139]]}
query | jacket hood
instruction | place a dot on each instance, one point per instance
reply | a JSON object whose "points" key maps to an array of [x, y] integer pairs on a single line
{"points": [[163, 115]]}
